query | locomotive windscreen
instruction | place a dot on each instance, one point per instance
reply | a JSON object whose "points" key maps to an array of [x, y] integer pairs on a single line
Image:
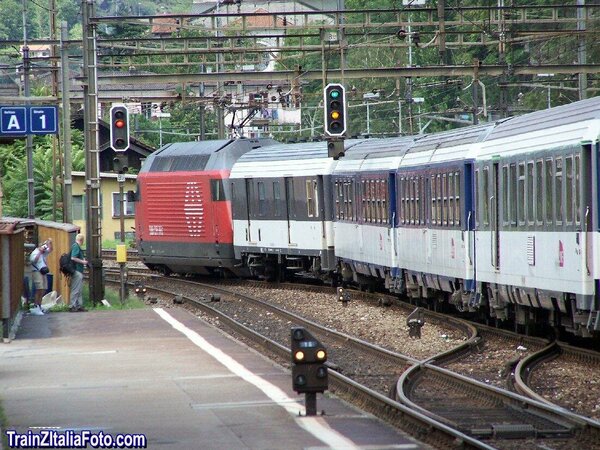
{"points": [[170, 163]]}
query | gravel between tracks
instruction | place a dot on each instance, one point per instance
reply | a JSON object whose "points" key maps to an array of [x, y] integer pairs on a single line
{"points": [[568, 384]]}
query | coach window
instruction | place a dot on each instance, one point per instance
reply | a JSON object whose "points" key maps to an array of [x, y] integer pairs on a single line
{"points": [[530, 197], [476, 199], [539, 191], [417, 200], [338, 197], [548, 190], [372, 203], [577, 190], [439, 196], [276, 198], [380, 195], [451, 195], [363, 194], [311, 198], [569, 190], [343, 188], [384, 201], [512, 200], [409, 201], [558, 189], [401, 202], [261, 198], [443, 199], [433, 201], [521, 194], [485, 192], [505, 197], [457, 199]]}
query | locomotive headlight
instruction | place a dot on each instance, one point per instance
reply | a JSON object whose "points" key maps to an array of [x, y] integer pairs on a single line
{"points": [[321, 354], [299, 355]]}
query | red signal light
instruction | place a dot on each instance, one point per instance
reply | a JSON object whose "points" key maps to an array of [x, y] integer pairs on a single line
{"points": [[119, 123]]}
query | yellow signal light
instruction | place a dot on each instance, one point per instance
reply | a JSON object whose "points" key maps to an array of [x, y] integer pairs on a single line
{"points": [[321, 354], [335, 115], [299, 355]]}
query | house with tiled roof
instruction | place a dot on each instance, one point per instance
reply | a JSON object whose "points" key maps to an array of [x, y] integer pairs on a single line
{"points": [[264, 6]]}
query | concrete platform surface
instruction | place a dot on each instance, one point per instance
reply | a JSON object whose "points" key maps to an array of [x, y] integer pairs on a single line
{"points": [[171, 376]]}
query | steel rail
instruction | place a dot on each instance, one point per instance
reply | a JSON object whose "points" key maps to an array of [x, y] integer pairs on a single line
{"points": [[418, 425]]}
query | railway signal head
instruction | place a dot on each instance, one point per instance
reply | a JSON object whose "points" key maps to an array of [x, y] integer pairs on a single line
{"points": [[309, 372], [343, 296], [335, 110], [119, 128]]}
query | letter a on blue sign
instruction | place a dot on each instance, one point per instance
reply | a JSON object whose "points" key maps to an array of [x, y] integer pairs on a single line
{"points": [[13, 120]]}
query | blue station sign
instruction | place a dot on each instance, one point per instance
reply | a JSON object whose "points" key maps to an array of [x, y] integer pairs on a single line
{"points": [[24, 120]]}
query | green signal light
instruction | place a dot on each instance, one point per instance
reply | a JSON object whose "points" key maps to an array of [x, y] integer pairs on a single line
{"points": [[334, 94]]}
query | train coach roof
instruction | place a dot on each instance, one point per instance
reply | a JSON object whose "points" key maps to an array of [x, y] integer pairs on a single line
{"points": [[204, 155], [303, 159], [579, 112], [378, 147], [279, 152], [453, 138]]}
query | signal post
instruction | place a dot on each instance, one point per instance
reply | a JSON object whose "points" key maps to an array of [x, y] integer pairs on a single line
{"points": [[334, 99], [119, 141], [309, 372]]}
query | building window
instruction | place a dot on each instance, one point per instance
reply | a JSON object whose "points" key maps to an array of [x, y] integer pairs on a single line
{"points": [[79, 207], [128, 207]]}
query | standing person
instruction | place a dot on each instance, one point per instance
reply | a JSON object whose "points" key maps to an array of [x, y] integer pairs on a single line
{"points": [[39, 264], [76, 286]]}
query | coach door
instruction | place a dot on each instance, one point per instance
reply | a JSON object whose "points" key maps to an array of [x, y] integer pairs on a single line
{"points": [[289, 207], [494, 200], [248, 186]]}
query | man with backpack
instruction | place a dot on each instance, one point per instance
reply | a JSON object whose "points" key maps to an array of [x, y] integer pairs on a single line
{"points": [[38, 259], [76, 285]]}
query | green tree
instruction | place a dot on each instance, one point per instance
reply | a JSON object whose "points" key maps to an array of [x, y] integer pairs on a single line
{"points": [[14, 163]]}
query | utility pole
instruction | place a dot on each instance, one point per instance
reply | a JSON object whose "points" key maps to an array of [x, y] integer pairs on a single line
{"points": [[503, 101], [219, 107], [202, 108], [475, 90], [581, 52], [29, 137], [92, 153], [66, 127], [55, 154]]}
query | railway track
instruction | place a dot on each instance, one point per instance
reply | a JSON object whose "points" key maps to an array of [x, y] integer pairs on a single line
{"points": [[549, 375], [478, 410], [418, 425]]}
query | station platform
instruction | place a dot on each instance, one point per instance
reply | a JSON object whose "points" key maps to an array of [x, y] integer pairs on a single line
{"points": [[168, 375]]}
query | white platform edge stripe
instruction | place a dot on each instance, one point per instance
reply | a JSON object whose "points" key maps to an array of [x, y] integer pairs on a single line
{"points": [[316, 426]]}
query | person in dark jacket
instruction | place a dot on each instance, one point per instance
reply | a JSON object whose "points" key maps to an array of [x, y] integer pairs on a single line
{"points": [[76, 285]]}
